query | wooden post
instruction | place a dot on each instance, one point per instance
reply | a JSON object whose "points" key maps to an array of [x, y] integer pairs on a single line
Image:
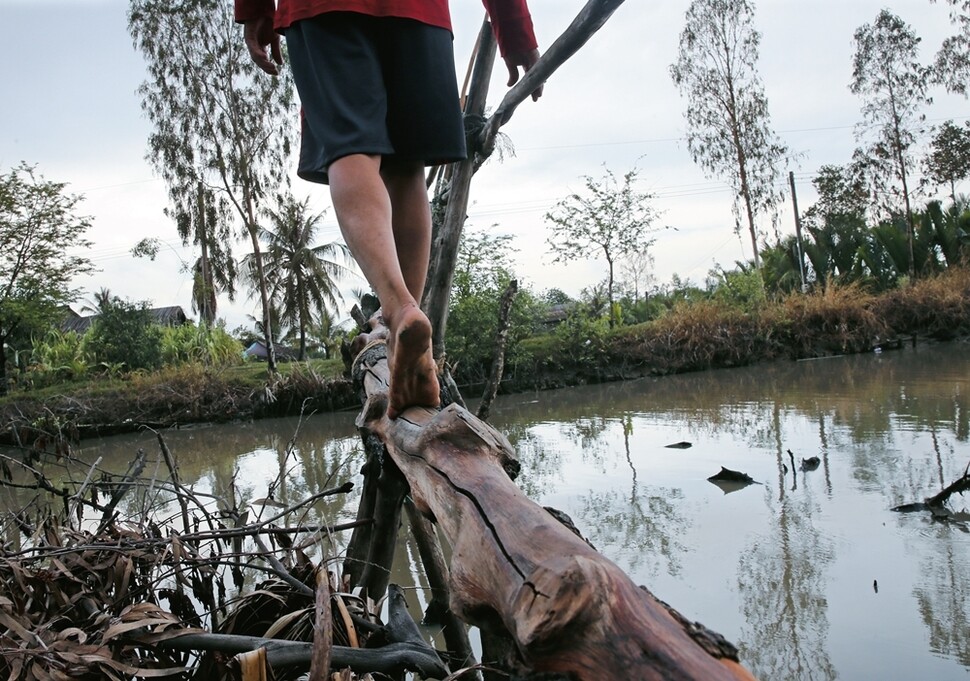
{"points": [[444, 251], [798, 230]]}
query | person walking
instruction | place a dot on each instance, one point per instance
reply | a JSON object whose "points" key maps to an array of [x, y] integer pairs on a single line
{"points": [[379, 96]]}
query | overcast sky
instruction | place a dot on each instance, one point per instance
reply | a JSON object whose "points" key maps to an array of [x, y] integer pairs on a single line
{"points": [[70, 107]]}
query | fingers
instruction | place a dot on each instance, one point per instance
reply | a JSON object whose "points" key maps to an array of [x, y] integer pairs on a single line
{"points": [[526, 60], [513, 72], [259, 33], [276, 50]]}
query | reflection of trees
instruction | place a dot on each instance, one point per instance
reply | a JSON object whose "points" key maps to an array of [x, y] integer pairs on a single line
{"points": [[943, 595], [587, 434], [863, 395], [541, 459], [782, 587], [639, 530]]}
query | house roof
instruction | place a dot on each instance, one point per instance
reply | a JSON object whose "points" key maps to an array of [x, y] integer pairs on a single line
{"points": [[165, 316], [258, 350]]}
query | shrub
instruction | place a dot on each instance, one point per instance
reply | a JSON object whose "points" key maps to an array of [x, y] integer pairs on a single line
{"points": [[204, 344], [56, 357], [124, 336], [582, 338]]}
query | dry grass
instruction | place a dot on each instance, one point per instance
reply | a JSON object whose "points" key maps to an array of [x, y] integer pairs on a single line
{"points": [[698, 336], [839, 320], [938, 307]]}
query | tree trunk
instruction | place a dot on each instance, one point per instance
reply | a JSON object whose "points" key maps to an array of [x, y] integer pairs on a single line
{"points": [[498, 360], [444, 251], [516, 569], [3, 365]]}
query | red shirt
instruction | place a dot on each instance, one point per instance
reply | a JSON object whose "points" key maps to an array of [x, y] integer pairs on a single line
{"points": [[511, 21]]}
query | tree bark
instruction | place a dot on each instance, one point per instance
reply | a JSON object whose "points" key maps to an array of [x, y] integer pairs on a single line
{"points": [[498, 360], [444, 251], [516, 569]]}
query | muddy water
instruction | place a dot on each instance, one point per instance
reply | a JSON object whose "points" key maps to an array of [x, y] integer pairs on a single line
{"points": [[809, 572]]}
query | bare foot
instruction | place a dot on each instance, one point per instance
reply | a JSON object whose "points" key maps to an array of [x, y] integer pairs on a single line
{"points": [[414, 374]]}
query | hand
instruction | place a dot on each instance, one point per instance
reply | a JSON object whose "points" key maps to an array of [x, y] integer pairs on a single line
{"points": [[526, 60], [258, 34]]}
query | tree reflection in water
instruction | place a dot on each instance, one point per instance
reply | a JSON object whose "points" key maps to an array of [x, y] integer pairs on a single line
{"points": [[943, 594], [781, 582]]}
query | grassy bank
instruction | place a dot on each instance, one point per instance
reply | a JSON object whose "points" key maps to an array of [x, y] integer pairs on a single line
{"points": [[173, 396], [691, 337], [710, 335]]}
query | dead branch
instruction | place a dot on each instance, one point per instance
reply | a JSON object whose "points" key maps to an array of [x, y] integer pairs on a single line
{"points": [[589, 20], [960, 485]]}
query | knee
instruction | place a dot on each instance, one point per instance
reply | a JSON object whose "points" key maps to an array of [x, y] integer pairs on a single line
{"points": [[400, 172]]}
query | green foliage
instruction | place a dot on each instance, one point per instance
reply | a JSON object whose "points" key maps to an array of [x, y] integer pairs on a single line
{"points": [[582, 338], [781, 270], [555, 296], [949, 231], [729, 130], [952, 66], [741, 288], [39, 233], [482, 274], [948, 160], [56, 357], [611, 219], [302, 277], [842, 193], [124, 337], [204, 344], [642, 309]]}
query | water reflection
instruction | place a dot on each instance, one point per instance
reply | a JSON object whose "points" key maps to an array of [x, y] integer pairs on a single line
{"points": [[943, 595], [784, 568], [781, 584]]}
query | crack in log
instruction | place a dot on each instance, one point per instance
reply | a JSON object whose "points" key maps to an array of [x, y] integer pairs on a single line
{"points": [[488, 523]]}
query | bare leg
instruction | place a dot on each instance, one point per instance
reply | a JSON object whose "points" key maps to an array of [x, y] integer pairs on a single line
{"points": [[390, 238]]}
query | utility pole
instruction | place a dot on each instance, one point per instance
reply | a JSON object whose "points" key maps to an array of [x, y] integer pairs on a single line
{"points": [[798, 230]]}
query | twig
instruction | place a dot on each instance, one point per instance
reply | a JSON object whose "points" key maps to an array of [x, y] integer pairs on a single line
{"points": [[281, 570], [961, 485], [322, 629]]}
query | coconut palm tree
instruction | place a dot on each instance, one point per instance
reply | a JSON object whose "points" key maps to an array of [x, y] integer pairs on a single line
{"points": [[302, 277], [98, 302]]}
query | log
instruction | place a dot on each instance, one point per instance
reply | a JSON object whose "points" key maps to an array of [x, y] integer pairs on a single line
{"points": [[515, 568]]}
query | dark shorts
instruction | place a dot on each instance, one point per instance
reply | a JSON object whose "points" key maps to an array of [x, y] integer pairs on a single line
{"points": [[374, 85]]}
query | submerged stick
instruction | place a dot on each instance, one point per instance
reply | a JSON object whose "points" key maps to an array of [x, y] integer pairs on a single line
{"points": [[961, 485]]}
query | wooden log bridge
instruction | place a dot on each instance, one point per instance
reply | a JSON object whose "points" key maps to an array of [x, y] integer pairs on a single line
{"points": [[516, 570]]}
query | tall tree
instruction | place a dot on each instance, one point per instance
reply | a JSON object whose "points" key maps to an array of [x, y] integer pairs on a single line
{"points": [[729, 130], [302, 277], [948, 160], [40, 236], [222, 133], [611, 219], [952, 65], [841, 193], [887, 75]]}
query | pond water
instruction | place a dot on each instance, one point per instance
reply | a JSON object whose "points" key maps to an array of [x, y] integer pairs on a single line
{"points": [[809, 572]]}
